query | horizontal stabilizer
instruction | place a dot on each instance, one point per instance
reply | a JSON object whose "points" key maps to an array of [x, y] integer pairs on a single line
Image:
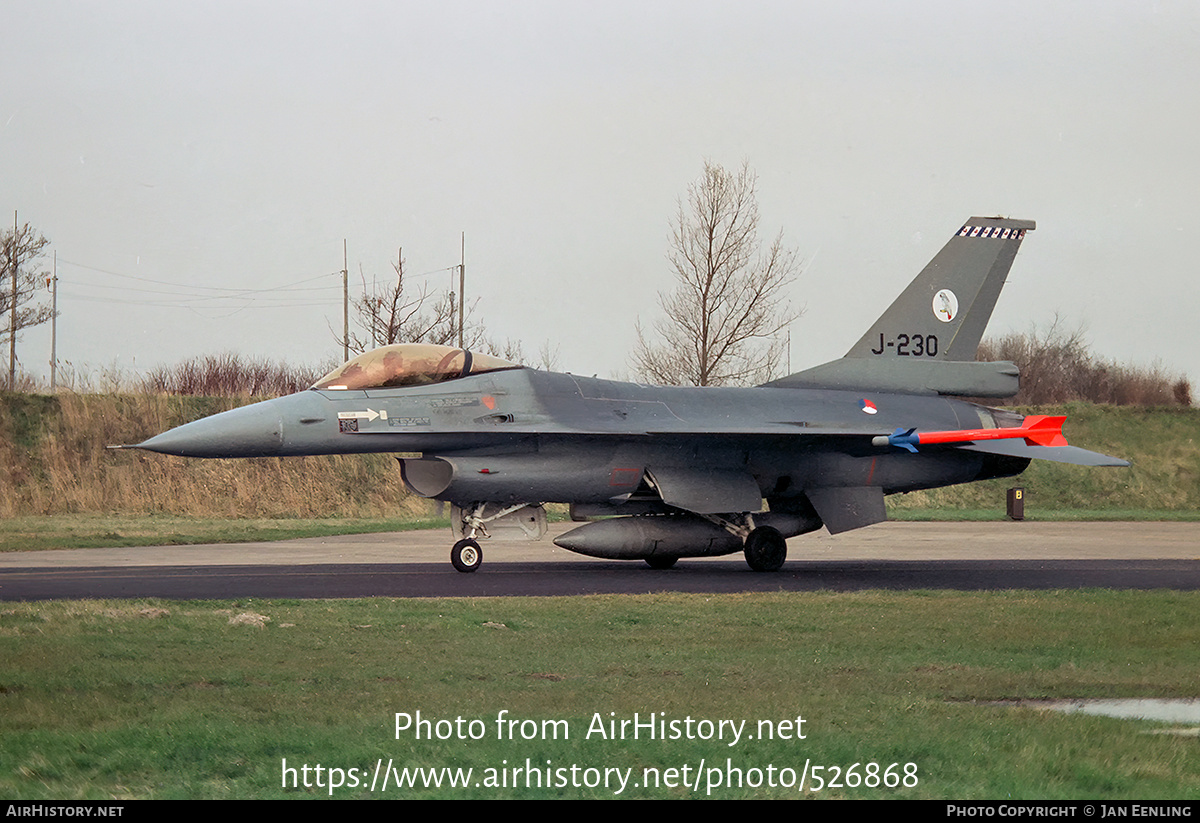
{"points": [[1058, 454]]}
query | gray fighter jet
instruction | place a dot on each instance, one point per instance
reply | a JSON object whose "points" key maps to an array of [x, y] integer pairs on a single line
{"points": [[680, 472]]}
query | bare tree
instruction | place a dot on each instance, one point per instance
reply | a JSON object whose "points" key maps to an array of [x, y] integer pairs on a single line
{"points": [[548, 357], [21, 249], [399, 314], [724, 318]]}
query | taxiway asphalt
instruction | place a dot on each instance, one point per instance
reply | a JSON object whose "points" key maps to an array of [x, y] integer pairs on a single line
{"points": [[964, 556]]}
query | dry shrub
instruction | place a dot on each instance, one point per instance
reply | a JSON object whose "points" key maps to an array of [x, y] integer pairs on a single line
{"points": [[54, 455], [215, 375], [54, 460], [23, 382], [1057, 366], [1183, 392], [230, 375]]}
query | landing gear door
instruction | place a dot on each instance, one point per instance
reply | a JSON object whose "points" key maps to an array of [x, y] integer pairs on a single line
{"points": [[499, 521]]}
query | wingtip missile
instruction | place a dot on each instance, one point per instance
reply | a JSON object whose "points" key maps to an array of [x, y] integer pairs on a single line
{"points": [[1044, 430], [1036, 430]]}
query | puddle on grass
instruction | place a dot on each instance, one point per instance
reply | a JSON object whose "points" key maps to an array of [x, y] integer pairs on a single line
{"points": [[1164, 710]]}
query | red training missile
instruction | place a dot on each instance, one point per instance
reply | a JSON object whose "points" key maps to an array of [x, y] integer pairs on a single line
{"points": [[1036, 430]]}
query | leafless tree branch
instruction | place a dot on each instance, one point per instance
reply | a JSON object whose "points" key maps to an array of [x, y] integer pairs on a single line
{"points": [[400, 314], [23, 249], [721, 323]]}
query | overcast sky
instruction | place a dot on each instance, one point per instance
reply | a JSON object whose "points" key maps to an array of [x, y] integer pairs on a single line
{"points": [[197, 165]]}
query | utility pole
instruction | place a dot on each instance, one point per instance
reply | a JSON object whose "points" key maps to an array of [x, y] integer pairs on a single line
{"points": [[54, 325], [12, 310], [462, 281], [345, 306]]}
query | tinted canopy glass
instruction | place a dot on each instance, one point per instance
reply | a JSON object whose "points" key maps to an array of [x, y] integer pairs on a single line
{"points": [[410, 364]]}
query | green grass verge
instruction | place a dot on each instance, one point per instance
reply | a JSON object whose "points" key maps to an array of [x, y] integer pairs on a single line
{"points": [[97, 531], [156, 699], [1045, 515], [77, 531]]}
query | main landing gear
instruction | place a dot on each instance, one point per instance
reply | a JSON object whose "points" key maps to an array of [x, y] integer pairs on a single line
{"points": [[661, 561], [765, 549], [764, 546]]}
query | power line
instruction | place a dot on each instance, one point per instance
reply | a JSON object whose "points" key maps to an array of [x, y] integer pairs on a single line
{"points": [[258, 304], [84, 284], [200, 287]]}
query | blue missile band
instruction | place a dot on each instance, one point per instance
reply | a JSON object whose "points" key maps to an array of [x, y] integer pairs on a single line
{"points": [[905, 439]]}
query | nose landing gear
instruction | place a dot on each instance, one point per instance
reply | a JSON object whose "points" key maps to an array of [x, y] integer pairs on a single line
{"points": [[466, 556]]}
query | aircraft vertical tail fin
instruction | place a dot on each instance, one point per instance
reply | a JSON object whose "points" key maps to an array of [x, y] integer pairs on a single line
{"points": [[943, 312], [926, 340]]}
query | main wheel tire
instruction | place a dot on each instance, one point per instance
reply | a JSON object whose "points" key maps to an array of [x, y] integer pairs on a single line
{"points": [[466, 556], [765, 549], [661, 561]]}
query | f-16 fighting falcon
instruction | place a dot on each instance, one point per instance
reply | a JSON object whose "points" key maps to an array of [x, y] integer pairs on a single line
{"points": [[675, 472]]}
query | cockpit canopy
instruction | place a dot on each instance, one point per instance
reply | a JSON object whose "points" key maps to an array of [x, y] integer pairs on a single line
{"points": [[410, 364]]}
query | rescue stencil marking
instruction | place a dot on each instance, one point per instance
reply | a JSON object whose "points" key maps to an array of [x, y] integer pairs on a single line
{"points": [[369, 414]]}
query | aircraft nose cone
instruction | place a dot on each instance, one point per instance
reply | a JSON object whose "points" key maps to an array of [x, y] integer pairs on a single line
{"points": [[251, 431]]}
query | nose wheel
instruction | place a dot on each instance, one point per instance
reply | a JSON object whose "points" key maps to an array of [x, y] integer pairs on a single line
{"points": [[466, 556]]}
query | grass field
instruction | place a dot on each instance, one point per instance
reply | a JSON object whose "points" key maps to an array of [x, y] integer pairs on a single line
{"points": [[150, 699], [77, 531]]}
